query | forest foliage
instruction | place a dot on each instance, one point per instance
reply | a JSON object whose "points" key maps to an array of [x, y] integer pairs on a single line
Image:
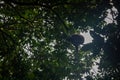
{"points": [[34, 39]]}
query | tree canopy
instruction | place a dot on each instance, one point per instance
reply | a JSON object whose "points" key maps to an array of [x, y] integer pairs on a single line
{"points": [[34, 41]]}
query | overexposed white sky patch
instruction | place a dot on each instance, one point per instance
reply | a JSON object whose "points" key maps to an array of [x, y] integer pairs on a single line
{"points": [[87, 37], [111, 15]]}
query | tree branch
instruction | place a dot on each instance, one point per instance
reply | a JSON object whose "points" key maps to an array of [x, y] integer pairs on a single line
{"points": [[30, 22], [60, 19]]}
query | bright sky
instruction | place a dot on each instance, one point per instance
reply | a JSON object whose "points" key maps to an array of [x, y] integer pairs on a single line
{"points": [[87, 37]]}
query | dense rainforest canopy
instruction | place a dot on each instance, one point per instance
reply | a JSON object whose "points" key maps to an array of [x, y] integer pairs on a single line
{"points": [[34, 39]]}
